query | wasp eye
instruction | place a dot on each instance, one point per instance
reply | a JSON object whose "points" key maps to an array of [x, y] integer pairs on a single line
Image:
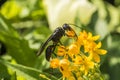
{"points": [[66, 27]]}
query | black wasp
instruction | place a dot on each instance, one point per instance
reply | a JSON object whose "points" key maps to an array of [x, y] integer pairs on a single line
{"points": [[55, 38]]}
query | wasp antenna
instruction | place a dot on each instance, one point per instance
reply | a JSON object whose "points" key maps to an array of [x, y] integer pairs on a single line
{"points": [[76, 26]]}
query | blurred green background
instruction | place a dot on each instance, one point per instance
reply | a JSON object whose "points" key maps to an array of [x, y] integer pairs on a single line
{"points": [[26, 24]]}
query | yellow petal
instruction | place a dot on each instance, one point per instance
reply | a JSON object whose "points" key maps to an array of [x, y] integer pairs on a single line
{"points": [[73, 49], [102, 51], [83, 34], [86, 71], [90, 57], [89, 35], [64, 67], [90, 64], [61, 51], [71, 78], [95, 37], [78, 60], [54, 63], [66, 73], [64, 64], [96, 57], [99, 45], [82, 68]]}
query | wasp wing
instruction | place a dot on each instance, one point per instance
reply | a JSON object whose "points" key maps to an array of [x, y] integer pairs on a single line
{"points": [[44, 45]]}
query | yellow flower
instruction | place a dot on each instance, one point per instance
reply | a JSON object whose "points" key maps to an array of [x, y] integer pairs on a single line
{"points": [[54, 63], [61, 51], [78, 60], [92, 38], [86, 37], [73, 49], [95, 52], [64, 68], [79, 57], [89, 46], [81, 37], [85, 63]]}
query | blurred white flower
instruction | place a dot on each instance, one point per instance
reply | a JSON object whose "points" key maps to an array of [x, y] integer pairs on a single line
{"points": [[65, 11]]}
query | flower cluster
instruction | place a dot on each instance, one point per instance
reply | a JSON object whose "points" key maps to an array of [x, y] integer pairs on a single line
{"points": [[78, 60]]}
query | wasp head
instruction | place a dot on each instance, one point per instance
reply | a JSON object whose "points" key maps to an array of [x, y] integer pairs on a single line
{"points": [[66, 27], [69, 31]]}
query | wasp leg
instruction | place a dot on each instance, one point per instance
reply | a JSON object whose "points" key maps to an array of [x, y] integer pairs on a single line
{"points": [[60, 42], [49, 51], [54, 49]]}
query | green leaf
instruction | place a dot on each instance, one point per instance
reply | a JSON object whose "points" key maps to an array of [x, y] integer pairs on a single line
{"points": [[92, 23], [101, 28], [114, 17], [13, 76], [6, 28], [27, 72], [111, 64], [10, 9], [4, 73], [17, 47]]}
